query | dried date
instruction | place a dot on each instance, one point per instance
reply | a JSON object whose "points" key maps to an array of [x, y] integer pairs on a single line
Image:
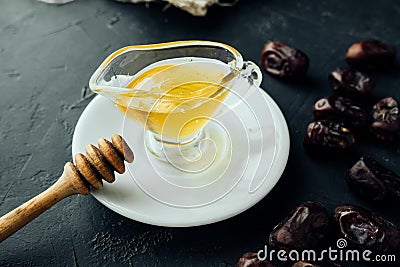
{"points": [[324, 134], [250, 259], [351, 82], [373, 181], [371, 54], [365, 230], [284, 61], [386, 119], [305, 227], [341, 109]]}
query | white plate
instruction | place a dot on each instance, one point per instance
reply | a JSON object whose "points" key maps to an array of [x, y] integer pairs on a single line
{"points": [[156, 193]]}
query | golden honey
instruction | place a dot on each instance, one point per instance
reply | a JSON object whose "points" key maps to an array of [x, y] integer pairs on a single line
{"points": [[175, 98]]}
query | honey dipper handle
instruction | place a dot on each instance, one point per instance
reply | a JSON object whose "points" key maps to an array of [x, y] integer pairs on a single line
{"points": [[68, 184]]}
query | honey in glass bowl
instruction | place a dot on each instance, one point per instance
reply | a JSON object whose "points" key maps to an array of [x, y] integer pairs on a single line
{"points": [[180, 99]]}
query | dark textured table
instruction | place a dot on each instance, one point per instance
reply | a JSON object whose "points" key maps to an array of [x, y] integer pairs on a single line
{"points": [[47, 54]]}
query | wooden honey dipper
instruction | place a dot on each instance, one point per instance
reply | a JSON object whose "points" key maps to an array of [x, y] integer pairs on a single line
{"points": [[99, 163]]}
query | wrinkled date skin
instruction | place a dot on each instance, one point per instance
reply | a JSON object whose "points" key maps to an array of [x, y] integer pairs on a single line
{"points": [[284, 61], [341, 109], [371, 54], [250, 259], [386, 119], [328, 135], [306, 227], [351, 82], [365, 230], [373, 181]]}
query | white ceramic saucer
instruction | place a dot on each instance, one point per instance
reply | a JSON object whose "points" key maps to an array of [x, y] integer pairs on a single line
{"points": [[153, 192]]}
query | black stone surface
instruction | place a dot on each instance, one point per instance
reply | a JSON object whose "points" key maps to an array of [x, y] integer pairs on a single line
{"points": [[47, 54]]}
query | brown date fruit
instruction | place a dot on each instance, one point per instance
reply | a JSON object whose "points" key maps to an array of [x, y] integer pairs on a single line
{"points": [[341, 109], [306, 227], [386, 119], [364, 230], [373, 181], [284, 61], [371, 54], [351, 82], [328, 135], [250, 259]]}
